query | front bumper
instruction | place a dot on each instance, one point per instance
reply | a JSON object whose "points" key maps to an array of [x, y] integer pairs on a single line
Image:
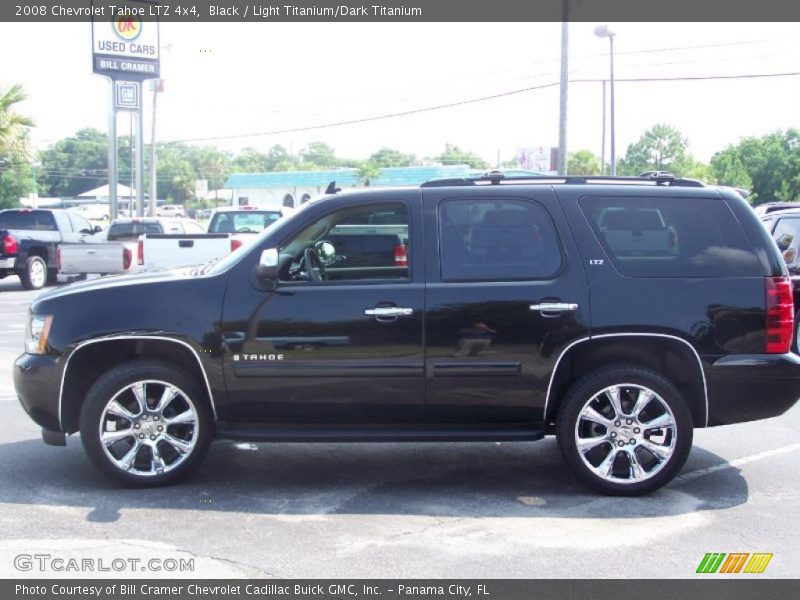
{"points": [[37, 379], [749, 387]]}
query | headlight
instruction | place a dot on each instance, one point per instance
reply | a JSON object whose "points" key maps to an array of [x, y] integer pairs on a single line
{"points": [[36, 333]]}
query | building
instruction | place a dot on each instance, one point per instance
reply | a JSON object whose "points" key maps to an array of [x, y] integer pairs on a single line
{"points": [[293, 188]]}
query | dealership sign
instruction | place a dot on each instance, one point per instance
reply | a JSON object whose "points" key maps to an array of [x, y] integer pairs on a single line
{"points": [[125, 45]]}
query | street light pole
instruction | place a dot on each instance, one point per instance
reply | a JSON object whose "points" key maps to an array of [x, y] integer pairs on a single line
{"points": [[604, 31], [603, 137], [611, 120]]}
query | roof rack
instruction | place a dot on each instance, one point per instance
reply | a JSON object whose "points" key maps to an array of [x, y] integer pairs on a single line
{"points": [[499, 178]]}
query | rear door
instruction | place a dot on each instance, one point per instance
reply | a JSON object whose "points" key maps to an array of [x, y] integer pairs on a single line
{"points": [[505, 297]]}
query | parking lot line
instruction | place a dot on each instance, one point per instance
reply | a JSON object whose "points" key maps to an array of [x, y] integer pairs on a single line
{"points": [[692, 475]]}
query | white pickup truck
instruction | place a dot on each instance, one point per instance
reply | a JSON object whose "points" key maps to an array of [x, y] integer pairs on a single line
{"points": [[141, 244]]}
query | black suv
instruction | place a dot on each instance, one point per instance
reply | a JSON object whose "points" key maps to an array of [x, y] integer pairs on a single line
{"points": [[617, 314]]}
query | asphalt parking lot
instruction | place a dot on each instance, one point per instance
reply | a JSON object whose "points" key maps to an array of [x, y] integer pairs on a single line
{"points": [[395, 510]]}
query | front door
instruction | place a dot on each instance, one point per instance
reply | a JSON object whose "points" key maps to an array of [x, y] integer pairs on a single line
{"points": [[506, 297], [340, 339]]}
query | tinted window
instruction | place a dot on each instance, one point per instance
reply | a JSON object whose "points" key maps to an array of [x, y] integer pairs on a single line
{"points": [[250, 221], [671, 237], [131, 231], [490, 240], [36, 220]]}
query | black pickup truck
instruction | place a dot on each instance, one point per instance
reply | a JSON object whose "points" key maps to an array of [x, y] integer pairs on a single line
{"points": [[29, 239], [617, 314]]}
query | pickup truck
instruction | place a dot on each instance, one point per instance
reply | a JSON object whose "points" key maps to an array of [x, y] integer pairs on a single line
{"points": [[31, 238], [119, 251]]}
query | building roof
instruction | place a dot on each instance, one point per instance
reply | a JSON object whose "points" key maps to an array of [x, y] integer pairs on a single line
{"points": [[344, 177], [123, 191]]}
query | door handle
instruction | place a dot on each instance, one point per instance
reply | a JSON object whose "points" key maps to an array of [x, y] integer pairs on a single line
{"points": [[552, 307], [389, 311]]}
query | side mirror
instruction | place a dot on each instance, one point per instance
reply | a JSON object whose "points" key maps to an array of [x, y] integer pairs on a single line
{"points": [[97, 229], [267, 269]]}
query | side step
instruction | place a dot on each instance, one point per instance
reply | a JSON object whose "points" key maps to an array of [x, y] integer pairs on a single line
{"points": [[282, 432]]}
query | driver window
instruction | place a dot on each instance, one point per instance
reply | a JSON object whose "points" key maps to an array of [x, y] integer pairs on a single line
{"points": [[356, 243]]}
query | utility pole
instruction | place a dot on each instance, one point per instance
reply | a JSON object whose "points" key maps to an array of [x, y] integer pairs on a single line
{"points": [[156, 83], [603, 142], [562, 112]]}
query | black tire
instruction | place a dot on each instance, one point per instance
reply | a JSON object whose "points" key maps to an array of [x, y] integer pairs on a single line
{"points": [[587, 388], [117, 379], [30, 275]]}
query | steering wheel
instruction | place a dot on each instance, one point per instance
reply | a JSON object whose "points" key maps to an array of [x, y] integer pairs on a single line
{"points": [[313, 264]]}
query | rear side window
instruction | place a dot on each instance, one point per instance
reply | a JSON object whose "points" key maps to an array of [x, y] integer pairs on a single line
{"points": [[671, 237], [34, 220], [496, 240], [131, 231]]}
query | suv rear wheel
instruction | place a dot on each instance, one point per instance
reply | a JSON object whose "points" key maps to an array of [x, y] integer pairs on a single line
{"points": [[624, 430], [145, 423]]}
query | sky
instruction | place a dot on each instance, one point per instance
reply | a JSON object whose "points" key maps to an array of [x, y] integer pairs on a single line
{"points": [[230, 80]]}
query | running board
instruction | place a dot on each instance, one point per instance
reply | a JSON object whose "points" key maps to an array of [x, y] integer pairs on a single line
{"points": [[280, 432]]}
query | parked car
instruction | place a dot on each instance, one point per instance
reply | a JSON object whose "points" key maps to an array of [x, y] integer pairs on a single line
{"points": [[29, 239], [513, 317], [95, 212], [122, 250], [170, 210], [770, 207]]}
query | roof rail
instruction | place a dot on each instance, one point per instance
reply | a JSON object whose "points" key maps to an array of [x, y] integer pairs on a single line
{"points": [[499, 178]]}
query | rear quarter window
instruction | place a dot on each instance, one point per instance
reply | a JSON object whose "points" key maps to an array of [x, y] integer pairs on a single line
{"points": [[671, 237]]}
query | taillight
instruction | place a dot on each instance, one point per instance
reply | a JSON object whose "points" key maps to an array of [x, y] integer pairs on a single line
{"points": [[127, 258], [235, 244], [400, 255], [140, 251], [780, 315], [58, 258], [10, 244]]}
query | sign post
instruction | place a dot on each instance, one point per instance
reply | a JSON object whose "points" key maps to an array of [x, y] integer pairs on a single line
{"points": [[125, 48]]}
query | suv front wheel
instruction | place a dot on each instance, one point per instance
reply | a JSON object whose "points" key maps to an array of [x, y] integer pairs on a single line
{"points": [[145, 423], [624, 430]]}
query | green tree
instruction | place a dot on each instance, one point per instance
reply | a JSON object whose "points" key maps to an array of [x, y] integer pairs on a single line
{"points": [[16, 178], [583, 162], [319, 155], [249, 160], [771, 162], [388, 157], [367, 173], [13, 126], [661, 148], [453, 155], [79, 163], [176, 174]]}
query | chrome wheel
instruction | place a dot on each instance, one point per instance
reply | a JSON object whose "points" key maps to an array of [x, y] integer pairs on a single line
{"points": [[626, 433], [37, 273], [149, 428]]}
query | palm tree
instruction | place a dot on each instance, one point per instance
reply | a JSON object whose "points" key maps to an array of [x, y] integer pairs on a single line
{"points": [[367, 173], [13, 126]]}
